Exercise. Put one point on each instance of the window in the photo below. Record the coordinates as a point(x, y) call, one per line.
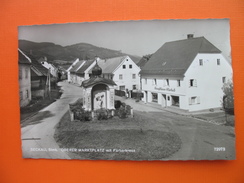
point(218, 61)
point(224, 79)
point(130, 66)
point(122, 87)
point(124, 66)
point(154, 97)
point(27, 94)
point(178, 82)
point(111, 77)
point(21, 95)
point(134, 87)
point(133, 76)
point(167, 82)
point(26, 73)
point(20, 73)
point(154, 81)
point(194, 100)
point(193, 82)
point(200, 62)
point(120, 76)
point(145, 81)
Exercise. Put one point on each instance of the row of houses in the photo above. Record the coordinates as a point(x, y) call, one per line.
point(122, 70)
point(33, 76)
point(188, 74)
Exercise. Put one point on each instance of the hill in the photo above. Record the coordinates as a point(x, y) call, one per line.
point(66, 54)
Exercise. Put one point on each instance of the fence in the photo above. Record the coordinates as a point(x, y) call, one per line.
point(119, 93)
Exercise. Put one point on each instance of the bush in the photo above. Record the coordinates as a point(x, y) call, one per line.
point(102, 114)
point(82, 115)
point(117, 104)
point(124, 111)
point(77, 106)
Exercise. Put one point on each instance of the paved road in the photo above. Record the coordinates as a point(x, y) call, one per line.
point(200, 139)
point(37, 139)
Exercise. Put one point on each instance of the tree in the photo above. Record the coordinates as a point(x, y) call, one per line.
point(228, 98)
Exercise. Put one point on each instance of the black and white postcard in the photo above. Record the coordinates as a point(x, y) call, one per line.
point(127, 90)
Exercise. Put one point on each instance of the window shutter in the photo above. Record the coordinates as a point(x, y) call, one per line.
point(190, 101)
point(194, 82)
point(198, 100)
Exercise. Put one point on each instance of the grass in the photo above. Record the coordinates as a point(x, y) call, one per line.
point(116, 139)
point(218, 118)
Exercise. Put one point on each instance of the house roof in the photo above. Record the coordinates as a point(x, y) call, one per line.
point(23, 59)
point(174, 58)
point(85, 66)
point(109, 65)
point(37, 65)
point(144, 60)
point(74, 62)
point(76, 66)
point(97, 80)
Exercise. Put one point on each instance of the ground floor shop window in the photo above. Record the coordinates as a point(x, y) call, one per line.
point(175, 101)
point(154, 97)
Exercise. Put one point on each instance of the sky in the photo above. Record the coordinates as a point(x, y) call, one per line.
point(132, 37)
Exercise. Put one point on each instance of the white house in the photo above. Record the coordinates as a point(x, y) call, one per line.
point(70, 67)
point(24, 63)
point(122, 70)
point(188, 74)
point(83, 72)
point(51, 67)
point(73, 71)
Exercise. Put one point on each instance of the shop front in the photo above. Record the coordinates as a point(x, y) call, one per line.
point(163, 99)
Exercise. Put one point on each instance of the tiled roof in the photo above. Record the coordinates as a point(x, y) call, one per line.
point(97, 80)
point(109, 65)
point(76, 66)
point(85, 66)
point(174, 58)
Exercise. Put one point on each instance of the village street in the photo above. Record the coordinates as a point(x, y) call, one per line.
point(37, 138)
point(200, 139)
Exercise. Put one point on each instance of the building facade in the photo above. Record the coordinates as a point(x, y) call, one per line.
point(24, 63)
point(122, 70)
point(187, 74)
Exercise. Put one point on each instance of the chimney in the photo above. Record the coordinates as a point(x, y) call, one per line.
point(190, 36)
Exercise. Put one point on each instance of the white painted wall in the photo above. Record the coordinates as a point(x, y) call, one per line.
point(208, 89)
point(209, 80)
point(24, 84)
point(127, 74)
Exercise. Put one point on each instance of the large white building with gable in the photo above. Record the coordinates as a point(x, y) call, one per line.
point(188, 74)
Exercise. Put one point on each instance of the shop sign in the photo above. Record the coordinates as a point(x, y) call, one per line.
point(165, 89)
